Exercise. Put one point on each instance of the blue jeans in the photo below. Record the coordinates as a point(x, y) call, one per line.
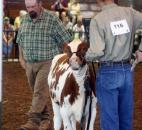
point(7, 49)
point(114, 90)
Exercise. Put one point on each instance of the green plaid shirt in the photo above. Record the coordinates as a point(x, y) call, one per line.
point(41, 39)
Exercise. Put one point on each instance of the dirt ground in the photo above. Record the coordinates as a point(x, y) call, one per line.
point(17, 98)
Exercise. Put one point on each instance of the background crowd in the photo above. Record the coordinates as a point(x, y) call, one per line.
point(36, 58)
point(68, 12)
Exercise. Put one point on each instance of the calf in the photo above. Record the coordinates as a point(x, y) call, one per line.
point(68, 81)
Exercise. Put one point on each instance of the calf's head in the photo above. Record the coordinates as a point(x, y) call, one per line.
point(76, 51)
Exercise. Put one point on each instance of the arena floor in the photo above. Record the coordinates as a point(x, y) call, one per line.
point(17, 97)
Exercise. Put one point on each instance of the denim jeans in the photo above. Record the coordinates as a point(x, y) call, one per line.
point(114, 90)
point(7, 49)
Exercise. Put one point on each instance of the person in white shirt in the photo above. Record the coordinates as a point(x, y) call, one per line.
point(79, 30)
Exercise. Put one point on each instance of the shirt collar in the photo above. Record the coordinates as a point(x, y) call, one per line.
point(41, 17)
point(106, 7)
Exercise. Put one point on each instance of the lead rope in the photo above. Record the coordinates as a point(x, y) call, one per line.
point(83, 113)
point(88, 94)
point(90, 106)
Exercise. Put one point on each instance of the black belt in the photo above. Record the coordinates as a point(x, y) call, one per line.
point(111, 63)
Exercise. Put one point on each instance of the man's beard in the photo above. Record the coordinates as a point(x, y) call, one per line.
point(33, 14)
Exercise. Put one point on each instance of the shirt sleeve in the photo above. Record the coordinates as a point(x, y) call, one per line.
point(19, 34)
point(137, 22)
point(60, 33)
point(19, 37)
point(97, 44)
point(137, 19)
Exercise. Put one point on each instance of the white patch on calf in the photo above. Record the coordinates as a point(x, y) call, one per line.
point(74, 44)
point(74, 60)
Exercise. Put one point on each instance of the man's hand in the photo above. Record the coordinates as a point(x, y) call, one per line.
point(139, 56)
point(22, 62)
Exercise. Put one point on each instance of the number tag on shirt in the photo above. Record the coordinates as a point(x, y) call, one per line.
point(119, 27)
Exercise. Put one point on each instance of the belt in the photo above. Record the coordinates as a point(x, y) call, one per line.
point(113, 63)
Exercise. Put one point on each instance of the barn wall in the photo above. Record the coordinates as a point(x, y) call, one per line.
point(12, 7)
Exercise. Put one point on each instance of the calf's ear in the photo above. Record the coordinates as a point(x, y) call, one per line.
point(86, 46)
point(65, 47)
point(86, 42)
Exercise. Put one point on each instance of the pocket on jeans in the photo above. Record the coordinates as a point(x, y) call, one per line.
point(108, 80)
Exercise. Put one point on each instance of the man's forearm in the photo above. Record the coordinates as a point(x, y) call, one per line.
point(139, 56)
point(21, 58)
point(21, 53)
point(140, 46)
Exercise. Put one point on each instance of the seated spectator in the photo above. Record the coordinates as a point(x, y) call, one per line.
point(18, 19)
point(73, 10)
point(68, 24)
point(8, 36)
point(78, 29)
point(86, 23)
point(17, 23)
point(63, 15)
point(60, 6)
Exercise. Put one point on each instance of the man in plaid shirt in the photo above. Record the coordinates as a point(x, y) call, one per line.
point(40, 37)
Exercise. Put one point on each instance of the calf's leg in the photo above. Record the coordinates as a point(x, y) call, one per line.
point(73, 122)
point(66, 118)
point(93, 114)
point(57, 116)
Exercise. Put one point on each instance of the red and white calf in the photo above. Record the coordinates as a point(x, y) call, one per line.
point(67, 78)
